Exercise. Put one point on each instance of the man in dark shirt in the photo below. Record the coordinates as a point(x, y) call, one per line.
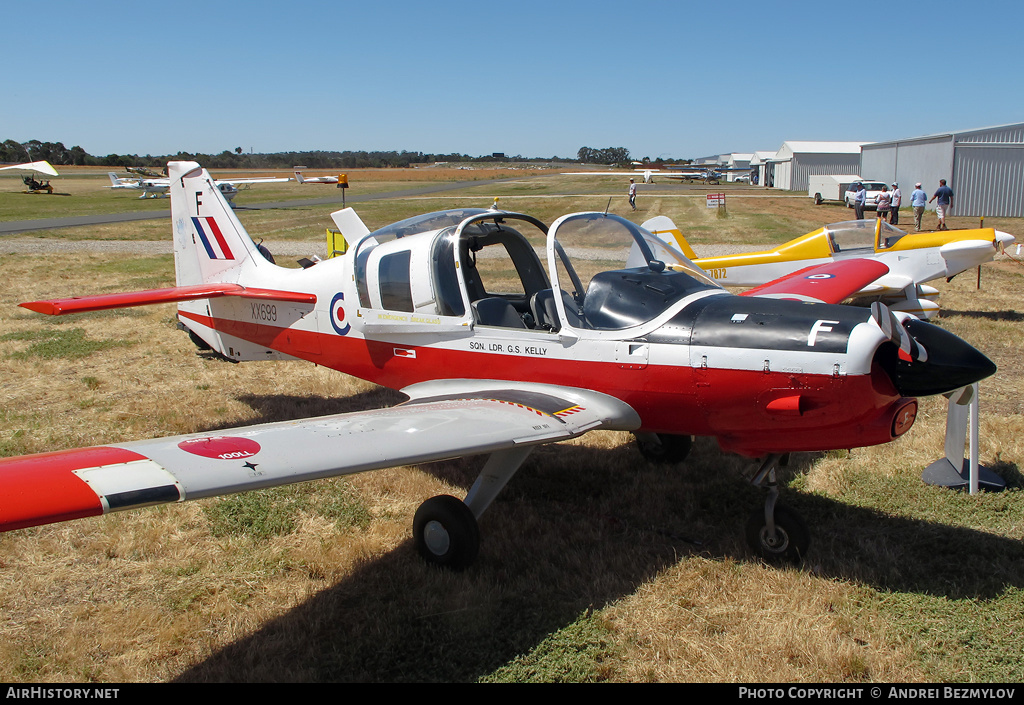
point(944, 204)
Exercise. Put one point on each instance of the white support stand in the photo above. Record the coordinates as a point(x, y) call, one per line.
point(954, 470)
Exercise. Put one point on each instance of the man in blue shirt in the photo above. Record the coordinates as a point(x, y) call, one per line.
point(858, 201)
point(944, 204)
point(918, 200)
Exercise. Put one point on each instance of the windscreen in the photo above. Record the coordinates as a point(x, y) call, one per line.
point(607, 266)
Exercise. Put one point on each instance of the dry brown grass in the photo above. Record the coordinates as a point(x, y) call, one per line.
point(652, 555)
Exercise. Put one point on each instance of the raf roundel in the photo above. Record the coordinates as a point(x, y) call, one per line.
point(821, 276)
point(338, 315)
point(221, 447)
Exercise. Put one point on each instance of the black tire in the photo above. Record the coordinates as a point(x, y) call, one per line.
point(668, 449)
point(197, 341)
point(446, 533)
point(791, 536)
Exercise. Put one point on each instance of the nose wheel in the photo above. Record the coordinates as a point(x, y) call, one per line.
point(663, 447)
point(776, 534)
point(783, 539)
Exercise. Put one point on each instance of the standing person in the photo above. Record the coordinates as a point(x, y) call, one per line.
point(944, 204)
point(918, 200)
point(882, 204)
point(894, 206)
point(858, 201)
point(632, 194)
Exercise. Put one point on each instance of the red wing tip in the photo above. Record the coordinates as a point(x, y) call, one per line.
point(46, 307)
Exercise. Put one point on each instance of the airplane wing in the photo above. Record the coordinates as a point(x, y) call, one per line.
point(824, 283)
point(255, 180)
point(42, 167)
point(442, 420)
point(81, 304)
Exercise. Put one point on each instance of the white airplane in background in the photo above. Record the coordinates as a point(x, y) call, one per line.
point(648, 174)
point(316, 179)
point(151, 188)
point(158, 188)
point(682, 173)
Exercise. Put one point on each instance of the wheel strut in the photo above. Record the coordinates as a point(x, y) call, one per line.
point(777, 533)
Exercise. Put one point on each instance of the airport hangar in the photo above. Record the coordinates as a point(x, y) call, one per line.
point(984, 167)
point(795, 161)
point(735, 162)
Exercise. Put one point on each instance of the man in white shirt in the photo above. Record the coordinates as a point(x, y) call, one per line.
point(894, 206)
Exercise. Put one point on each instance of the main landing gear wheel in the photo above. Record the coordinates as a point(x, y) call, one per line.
point(787, 543)
point(446, 532)
point(663, 447)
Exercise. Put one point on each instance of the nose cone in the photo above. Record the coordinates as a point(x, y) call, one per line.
point(1004, 239)
point(951, 363)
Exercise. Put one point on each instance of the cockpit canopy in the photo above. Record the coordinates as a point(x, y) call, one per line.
point(603, 273)
point(873, 233)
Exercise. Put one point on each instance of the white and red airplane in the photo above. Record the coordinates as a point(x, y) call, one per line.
point(316, 179)
point(605, 336)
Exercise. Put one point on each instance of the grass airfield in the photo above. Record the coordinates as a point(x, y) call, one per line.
point(594, 565)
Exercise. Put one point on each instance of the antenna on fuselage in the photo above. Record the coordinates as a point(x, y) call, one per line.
point(608, 206)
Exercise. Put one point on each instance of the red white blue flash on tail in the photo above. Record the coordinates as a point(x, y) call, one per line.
point(212, 238)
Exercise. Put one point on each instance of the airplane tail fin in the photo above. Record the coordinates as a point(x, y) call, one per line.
point(664, 229)
point(298, 177)
point(210, 244)
point(114, 180)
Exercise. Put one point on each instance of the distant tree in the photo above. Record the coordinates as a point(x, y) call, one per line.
point(608, 155)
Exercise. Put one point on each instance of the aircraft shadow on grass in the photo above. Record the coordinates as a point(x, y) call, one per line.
point(1014, 316)
point(577, 529)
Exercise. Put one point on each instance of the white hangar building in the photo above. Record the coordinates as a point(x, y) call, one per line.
point(796, 161)
point(984, 167)
point(759, 162)
point(732, 161)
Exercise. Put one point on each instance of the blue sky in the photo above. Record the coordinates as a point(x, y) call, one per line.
point(673, 79)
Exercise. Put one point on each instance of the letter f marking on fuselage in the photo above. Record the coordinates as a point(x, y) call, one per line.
point(819, 326)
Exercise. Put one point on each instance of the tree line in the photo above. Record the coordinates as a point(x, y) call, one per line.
point(57, 154)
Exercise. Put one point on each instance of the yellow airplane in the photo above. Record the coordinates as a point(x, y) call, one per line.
point(912, 259)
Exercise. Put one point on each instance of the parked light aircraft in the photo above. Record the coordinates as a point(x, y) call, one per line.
point(159, 187)
point(316, 179)
point(31, 183)
point(498, 363)
point(143, 171)
point(910, 260)
point(682, 173)
point(648, 174)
